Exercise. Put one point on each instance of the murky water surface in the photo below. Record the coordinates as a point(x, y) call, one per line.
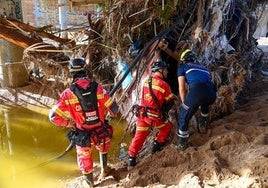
point(30, 145)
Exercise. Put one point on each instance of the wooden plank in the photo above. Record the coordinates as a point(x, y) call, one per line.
point(40, 31)
point(16, 37)
point(19, 39)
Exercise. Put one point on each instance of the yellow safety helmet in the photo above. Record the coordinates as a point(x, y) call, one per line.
point(188, 55)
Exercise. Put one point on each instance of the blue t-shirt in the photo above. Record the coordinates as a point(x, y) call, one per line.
point(194, 73)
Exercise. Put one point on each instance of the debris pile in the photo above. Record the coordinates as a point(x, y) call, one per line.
point(124, 40)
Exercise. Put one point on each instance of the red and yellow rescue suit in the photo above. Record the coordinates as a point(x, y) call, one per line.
point(68, 107)
point(150, 113)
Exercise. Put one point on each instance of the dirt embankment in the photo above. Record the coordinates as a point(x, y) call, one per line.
point(235, 154)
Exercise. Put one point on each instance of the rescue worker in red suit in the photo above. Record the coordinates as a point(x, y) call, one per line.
point(156, 100)
point(88, 120)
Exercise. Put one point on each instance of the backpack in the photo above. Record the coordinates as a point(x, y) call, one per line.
point(88, 101)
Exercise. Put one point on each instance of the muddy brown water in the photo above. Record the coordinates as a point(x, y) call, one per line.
point(30, 144)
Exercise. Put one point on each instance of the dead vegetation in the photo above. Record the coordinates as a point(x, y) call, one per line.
point(220, 32)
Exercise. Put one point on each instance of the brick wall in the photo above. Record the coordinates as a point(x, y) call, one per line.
point(28, 11)
point(11, 8)
point(45, 12)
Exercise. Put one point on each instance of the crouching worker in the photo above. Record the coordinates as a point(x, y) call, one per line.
point(156, 101)
point(201, 93)
point(82, 107)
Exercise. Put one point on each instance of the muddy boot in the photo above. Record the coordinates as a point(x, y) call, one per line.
point(132, 161)
point(182, 143)
point(202, 124)
point(89, 179)
point(103, 163)
point(157, 146)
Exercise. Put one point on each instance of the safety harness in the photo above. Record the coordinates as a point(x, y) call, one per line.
point(89, 103)
point(145, 111)
point(152, 92)
point(160, 112)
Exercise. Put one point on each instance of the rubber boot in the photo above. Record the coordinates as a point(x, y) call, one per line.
point(182, 143)
point(89, 179)
point(132, 161)
point(157, 146)
point(202, 124)
point(103, 163)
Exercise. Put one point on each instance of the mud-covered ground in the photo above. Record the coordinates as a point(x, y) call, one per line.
point(234, 154)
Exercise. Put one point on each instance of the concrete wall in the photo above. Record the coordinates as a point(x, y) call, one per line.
point(12, 71)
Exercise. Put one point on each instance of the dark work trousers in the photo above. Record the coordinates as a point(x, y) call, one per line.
point(199, 95)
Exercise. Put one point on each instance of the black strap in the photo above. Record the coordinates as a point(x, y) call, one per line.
point(152, 92)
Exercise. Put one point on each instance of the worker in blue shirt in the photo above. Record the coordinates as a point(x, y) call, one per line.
point(202, 93)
